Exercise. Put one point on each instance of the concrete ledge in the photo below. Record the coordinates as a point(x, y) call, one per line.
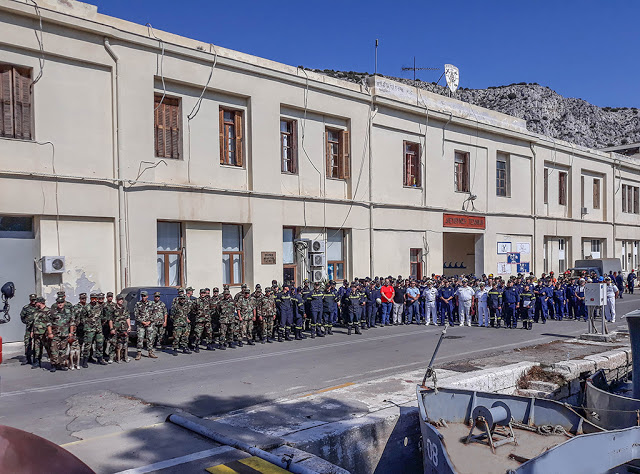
point(497, 379)
point(611, 337)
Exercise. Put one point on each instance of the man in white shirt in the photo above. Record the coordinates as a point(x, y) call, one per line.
point(483, 309)
point(465, 300)
point(612, 294)
point(430, 295)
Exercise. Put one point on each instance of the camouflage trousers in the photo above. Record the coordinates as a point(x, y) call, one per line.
point(91, 336)
point(145, 334)
point(200, 328)
point(160, 330)
point(246, 329)
point(180, 337)
point(109, 343)
point(265, 327)
point(27, 341)
point(122, 342)
point(224, 332)
point(40, 343)
point(59, 345)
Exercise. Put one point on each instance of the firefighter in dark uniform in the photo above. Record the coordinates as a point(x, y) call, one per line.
point(315, 304)
point(527, 305)
point(285, 306)
point(494, 302)
point(445, 297)
point(329, 306)
point(510, 305)
point(299, 315)
point(353, 302)
point(304, 293)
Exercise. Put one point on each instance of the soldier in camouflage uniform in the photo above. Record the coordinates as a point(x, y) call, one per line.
point(145, 327)
point(26, 316)
point(213, 311)
point(202, 326)
point(61, 294)
point(92, 324)
point(41, 331)
point(159, 317)
point(240, 294)
point(180, 293)
point(226, 310)
point(266, 314)
point(79, 311)
point(122, 327)
point(108, 333)
point(63, 327)
point(180, 319)
point(247, 315)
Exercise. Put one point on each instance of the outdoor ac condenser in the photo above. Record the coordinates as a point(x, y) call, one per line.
point(53, 264)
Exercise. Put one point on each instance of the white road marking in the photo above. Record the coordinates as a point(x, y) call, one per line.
point(177, 461)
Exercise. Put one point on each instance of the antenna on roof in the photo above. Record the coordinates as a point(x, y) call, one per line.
point(375, 68)
point(414, 69)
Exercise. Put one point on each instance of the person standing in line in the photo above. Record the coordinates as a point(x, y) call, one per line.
point(373, 295)
point(330, 303)
point(526, 307)
point(387, 292)
point(145, 327)
point(412, 308)
point(631, 281)
point(494, 302)
point(159, 316)
point(398, 302)
point(612, 294)
point(510, 300)
point(63, 327)
point(430, 295)
point(483, 310)
point(465, 296)
point(446, 294)
point(265, 314)
point(315, 305)
point(285, 304)
point(619, 281)
point(122, 327)
point(92, 324)
point(26, 316)
point(41, 332)
point(226, 311)
point(180, 319)
point(354, 302)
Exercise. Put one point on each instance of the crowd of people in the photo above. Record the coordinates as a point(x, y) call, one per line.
point(98, 331)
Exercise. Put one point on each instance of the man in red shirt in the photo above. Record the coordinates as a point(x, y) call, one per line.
point(386, 295)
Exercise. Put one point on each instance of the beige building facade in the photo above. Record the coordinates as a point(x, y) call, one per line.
point(146, 158)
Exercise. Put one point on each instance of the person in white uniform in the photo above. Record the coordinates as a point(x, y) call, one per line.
point(465, 300)
point(612, 294)
point(483, 309)
point(430, 295)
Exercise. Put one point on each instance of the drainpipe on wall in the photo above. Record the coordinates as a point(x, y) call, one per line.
point(533, 208)
point(371, 269)
point(116, 156)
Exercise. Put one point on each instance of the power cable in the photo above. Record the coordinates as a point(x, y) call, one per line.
point(164, 89)
point(40, 40)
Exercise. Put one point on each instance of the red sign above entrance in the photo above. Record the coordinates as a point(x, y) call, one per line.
point(467, 222)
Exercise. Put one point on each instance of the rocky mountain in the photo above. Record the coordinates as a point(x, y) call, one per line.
point(545, 111)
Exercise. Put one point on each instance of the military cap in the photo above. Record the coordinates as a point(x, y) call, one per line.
point(144, 293)
point(109, 293)
point(345, 281)
point(59, 299)
point(215, 288)
point(274, 282)
point(60, 293)
point(246, 290)
point(94, 295)
point(244, 285)
point(120, 297)
point(202, 290)
point(180, 291)
point(258, 287)
point(206, 289)
point(225, 286)
point(157, 293)
point(189, 288)
point(226, 291)
point(82, 296)
point(33, 297)
point(268, 289)
point(354, 284)
point(40, 299)
point(100, 295)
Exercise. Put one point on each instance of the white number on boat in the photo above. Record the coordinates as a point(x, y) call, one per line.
point(432, 452)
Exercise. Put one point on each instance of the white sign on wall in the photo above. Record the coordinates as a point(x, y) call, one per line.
point(504, 247)
point(560, 254)
point(504, 268)
point(523, 247)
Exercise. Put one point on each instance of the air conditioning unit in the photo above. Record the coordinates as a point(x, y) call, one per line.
point(317, 260)
point(317, 246)
point(317, 275)
point(53, 264)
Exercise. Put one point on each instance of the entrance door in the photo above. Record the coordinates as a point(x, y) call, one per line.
point(458, 253)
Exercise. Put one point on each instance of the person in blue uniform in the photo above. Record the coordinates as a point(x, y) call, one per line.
point(494, 302)
point(581, 307)
point(445, 296)
point(343, 291)
point(570, 295)
point(541, 310)
point(315, 303)
point(527, 304)
point(285, 309)
point(353, 302)
point(559, 301)
point(329, 306)
point(371, 309)
point(631, 281)
point(510, 301)
point(299, 314)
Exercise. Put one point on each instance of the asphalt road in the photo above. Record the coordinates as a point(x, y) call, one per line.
point(67, 406)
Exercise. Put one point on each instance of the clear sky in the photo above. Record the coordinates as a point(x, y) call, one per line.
point(588, 49)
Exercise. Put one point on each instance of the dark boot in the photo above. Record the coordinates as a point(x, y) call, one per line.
point(262, 341)
point(250, 342)
point(222, 347)
point(53, 368)
point(84, 363)
point(239, 343)
point(349, 331)
point(298, 333)
point(196, 349)
point(269, 340)
point(287, 336)
point(101, 361)
point(174, 352)
point(186, 351)
point(29, 358)
point(320, 332)
point(330, 330)
point(210, 347)
point(313, 334)
point(35, 364)
point(358, 330)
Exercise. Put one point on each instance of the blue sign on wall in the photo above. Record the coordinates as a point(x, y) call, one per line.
point(523, 267)
point(513, 257)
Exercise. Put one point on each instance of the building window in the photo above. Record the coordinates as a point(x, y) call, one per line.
point(170, 254)
point(546, 186)
point(335, 254)
point(231, 126)
point(596, 193)
point(562, 256)
point(415, 259)
point(289, 273)
point(166, 127)
point(232, 255)
point(16, 119)
point(630, 195)
point(337, 146)
point(595, 248)
point(502, 175)
point(412, 168)
point(289, 146)
point(562, 188)
point(461, 172)
point(16, 227)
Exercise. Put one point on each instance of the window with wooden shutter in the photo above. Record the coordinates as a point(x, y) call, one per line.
point(345, 142)
point(596, 193)
point(412, 169)
point(167, 127)
point(624, 198)
point(333, 153)
point(636, 209)
point(502, 175)
point(461, 172)
point(288, 146)
point(546, 185)
point(16, 115)
point(231, 137)
point(562, 188)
